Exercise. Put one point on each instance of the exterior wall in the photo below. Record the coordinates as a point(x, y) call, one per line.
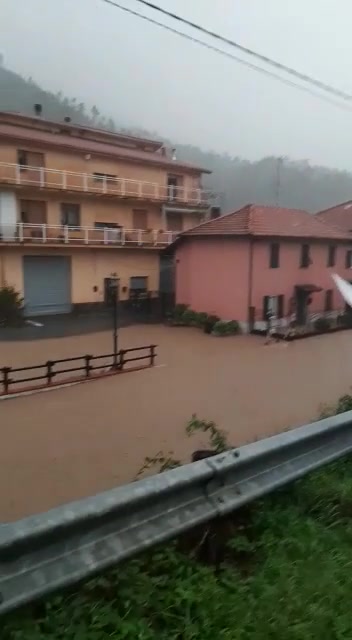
point(88, 270)
point(8, 153)
point(212, 276)
point(95, 210)
point(79, 162)
point(281, 281)
point(191, 220)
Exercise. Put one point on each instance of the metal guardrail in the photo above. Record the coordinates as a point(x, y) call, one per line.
point(65, 545)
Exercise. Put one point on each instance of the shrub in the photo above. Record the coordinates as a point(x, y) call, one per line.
point(201, 319)
point(344, 320)
point(343, 404)
point(222, 328)
point(178, 312)
point(183, 315)
point(208, 325)
point(321, 325)
point(11, 307)
point(189, 318)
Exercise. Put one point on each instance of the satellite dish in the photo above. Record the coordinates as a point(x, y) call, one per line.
point(344, 287)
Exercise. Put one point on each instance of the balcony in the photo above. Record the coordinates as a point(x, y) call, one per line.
point(100, 185)
point(44, 234)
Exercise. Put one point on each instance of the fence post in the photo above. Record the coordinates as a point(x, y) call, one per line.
point(6, 380)
point(121, 358)
point(49, 371)
point(87, 365)
point(152, 354)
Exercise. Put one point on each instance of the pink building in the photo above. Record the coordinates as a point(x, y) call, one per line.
point(243, 264)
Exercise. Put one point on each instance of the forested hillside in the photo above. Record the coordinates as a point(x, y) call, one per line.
point(240, 181)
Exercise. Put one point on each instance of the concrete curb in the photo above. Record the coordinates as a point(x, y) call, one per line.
point(72, 383)
point(32, 392)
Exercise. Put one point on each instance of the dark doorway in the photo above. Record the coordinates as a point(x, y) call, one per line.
point(301, 306)
point(174, 184)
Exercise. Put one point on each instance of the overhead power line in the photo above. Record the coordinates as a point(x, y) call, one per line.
point(227, 54)
point(278, 65)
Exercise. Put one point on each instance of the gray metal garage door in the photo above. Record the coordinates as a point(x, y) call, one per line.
point(47, 285)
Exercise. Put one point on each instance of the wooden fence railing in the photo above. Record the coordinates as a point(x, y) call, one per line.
point(15, 379)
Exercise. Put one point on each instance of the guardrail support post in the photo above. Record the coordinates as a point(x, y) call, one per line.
point(121, 358)
point(87, 360)
point(49, 371)
point(152, 355)
point(5, 379)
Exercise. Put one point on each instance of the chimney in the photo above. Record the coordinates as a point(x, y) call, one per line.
point(67, 119)
point(174, 154)
point(38, 109)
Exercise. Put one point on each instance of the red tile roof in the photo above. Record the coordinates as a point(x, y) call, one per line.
point(339, 216)
point(258, 220)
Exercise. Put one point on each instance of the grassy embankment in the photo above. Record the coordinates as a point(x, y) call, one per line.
point(281, 569)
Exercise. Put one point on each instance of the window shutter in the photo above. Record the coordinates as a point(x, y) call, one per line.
point(274, 255)
point(328, 300)
point(280, 307)
point(265, 307)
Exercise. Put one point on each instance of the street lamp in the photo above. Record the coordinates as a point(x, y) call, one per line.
point(114, 297)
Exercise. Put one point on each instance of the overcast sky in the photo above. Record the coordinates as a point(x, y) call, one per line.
point(144, 76)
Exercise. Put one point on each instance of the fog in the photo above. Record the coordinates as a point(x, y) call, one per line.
point(144, 76)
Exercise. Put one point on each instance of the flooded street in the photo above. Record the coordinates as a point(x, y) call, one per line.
point(73, 442)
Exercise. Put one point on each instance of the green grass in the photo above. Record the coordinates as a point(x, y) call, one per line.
point(280, 570)
point(287, 576)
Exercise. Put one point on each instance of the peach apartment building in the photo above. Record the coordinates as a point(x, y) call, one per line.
point(79, 206)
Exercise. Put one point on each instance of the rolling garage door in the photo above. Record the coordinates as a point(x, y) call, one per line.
point(47, 285)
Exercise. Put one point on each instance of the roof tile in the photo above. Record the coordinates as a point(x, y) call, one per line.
point(258, 220)
point(339, 216)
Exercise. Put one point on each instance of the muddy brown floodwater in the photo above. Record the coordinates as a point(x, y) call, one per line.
point(69, 443)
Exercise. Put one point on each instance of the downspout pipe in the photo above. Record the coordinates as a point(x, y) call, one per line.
point(250, 279)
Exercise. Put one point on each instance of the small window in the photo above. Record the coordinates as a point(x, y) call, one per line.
point(274, 255)
point(173, 186)
point(22, 158)
point(305, 256)
point(30, 159)
point(99, 177)
point(331, 255)
point(348, 263)
point(328, 300)
point(139, 283)
point(70, 215)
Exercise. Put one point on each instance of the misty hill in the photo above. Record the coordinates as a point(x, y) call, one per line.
point(301, 184)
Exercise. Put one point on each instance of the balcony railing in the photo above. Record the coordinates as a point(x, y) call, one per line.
point(62, 180)
point(23, 233)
